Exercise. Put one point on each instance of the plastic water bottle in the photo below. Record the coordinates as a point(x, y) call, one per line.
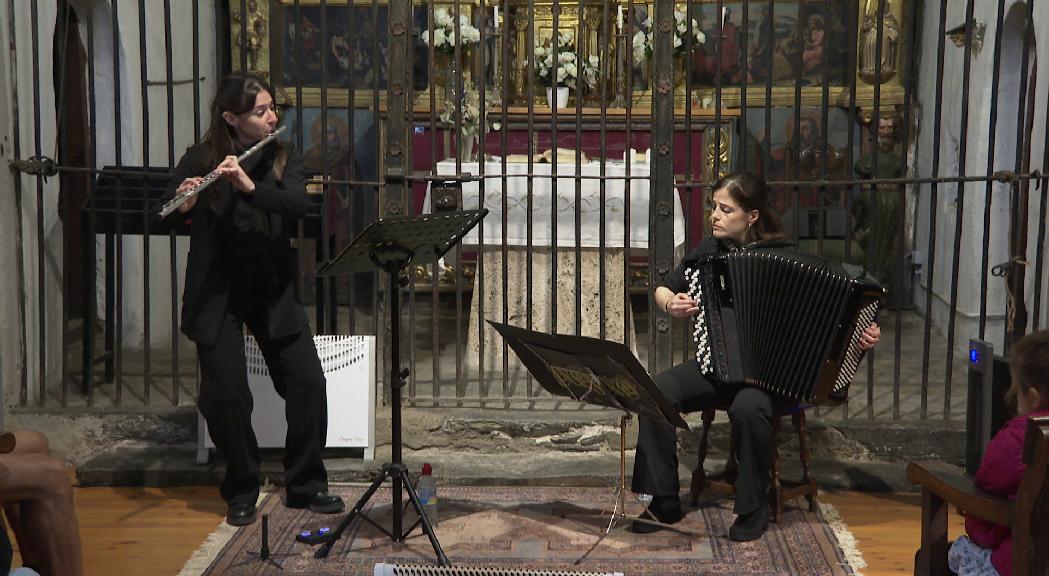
point(426, 489)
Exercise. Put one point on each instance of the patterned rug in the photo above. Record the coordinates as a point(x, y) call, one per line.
point(535, 528)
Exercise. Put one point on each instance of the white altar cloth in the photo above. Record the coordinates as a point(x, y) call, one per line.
point(589, 205)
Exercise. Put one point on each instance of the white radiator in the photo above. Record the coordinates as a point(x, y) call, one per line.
point(349, 368)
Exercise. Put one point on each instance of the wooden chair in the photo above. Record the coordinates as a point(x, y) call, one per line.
point(778, 491)
point(1027, 515)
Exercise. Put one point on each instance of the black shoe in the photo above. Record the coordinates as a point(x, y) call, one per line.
point(749, 526)
point(665, 510)
point(322, 502)
point(240, 514)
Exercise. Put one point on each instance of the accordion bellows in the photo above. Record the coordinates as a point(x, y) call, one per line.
point(780, 319)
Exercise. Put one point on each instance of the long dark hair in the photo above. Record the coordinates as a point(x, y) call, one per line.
point(751, 193)
point(1029, 366)
point(236, 94)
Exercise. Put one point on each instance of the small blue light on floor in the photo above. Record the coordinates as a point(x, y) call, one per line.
point(974, 355)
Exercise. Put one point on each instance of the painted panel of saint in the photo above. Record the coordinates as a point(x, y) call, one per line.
point(784, 41)
point(343, 47)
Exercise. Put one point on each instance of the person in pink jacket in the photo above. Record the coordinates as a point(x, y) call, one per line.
point(987, 548)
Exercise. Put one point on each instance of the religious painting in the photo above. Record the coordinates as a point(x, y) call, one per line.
point(340, 48)
point(785, 42)
point(792, 148)
point(326, 140)
point(325, 137)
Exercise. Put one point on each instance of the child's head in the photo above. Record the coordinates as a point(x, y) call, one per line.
point(1029, 368)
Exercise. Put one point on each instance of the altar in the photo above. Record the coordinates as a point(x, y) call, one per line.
point(548, 222)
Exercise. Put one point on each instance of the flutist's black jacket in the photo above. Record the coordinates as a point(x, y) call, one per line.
point(240, 245)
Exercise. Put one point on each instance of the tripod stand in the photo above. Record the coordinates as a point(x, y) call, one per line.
point(595, 372)
point(391, 245)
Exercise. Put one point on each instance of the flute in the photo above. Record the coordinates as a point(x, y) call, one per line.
point(180, 199)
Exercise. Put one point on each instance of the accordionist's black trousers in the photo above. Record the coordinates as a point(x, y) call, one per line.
point(656, 462)
point(226, 403)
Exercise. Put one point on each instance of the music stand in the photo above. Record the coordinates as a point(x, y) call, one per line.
point(391, 244)
point(596, 372)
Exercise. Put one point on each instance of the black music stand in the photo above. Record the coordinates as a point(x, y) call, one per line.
point(596, 372)
point(391, 244)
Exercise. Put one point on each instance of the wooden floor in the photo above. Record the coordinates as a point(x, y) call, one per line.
point(153, 531)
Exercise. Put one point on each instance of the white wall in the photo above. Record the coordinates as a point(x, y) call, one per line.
point(10, 323)
point(970, 267)
point(132, 146)
point(18, 115)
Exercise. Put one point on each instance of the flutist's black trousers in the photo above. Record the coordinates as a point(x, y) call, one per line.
point(226, 403)
point(750, 412)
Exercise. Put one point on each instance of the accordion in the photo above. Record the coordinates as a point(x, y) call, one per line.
point(780, 319)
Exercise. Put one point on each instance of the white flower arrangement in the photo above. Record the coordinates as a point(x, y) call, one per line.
point(568, 67)
point(444, 38)
point(642, 39)
point(469, 111)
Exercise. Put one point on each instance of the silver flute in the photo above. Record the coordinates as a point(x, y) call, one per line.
point(180, 199)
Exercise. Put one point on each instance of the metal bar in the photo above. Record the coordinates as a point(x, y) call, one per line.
point(580, 81)
point(555, 49)
point(41, 286)
point(117, 310)
point(767, 148)
point(457, 106)
point(794, 141)
point(852, 12)
point(602, 88)
point(176, 344)
point(937, 129)
point(243, 36)
point(325, 285)
point(1039, 264)
point(144, 90)
point(409, 86)
point(351, 143)
point(1020, 213)
point(504, 37)
point(909, 68)
point(23, 389)
point(1000, 175)
point(992, 126)
point(399, 18)
point(90, 275)
point(529, 249)
point(435, 269)
point(959, 215)
point(661, 245)
point(67, 211)
point(876, 204)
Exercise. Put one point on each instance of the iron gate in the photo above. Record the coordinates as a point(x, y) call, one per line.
point(846, 108)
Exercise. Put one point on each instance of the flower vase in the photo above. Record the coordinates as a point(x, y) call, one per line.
point(466, 146)
point(561, 97)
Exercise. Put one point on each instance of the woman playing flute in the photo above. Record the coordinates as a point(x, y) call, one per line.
point(241, 272)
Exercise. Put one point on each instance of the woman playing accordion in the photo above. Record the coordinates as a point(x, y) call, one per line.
point(740, 216)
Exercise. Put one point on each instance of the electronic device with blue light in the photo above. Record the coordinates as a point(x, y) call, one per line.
point(986, 409)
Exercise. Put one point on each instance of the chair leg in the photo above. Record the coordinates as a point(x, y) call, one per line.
point(803, 445)
point(775, 491)
point(699, 475)
point(932, 557)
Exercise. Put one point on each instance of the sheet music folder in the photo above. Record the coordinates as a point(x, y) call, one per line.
point(403, 239)
point(590, 370)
